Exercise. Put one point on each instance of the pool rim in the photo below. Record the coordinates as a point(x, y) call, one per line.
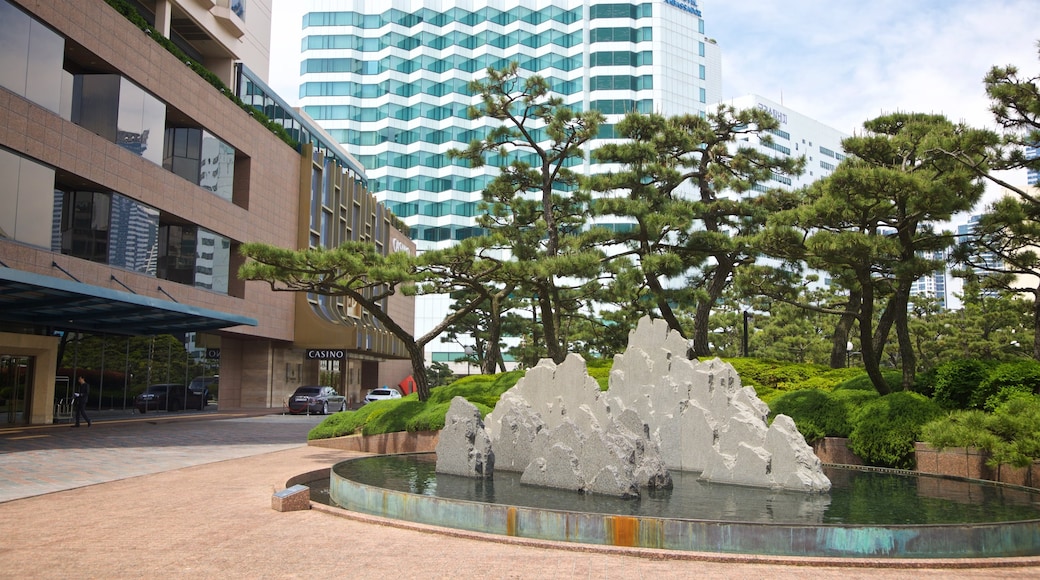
point(986, 540)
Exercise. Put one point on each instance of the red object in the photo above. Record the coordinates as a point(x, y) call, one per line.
point(407, 386)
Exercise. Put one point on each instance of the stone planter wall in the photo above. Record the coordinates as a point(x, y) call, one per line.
point(835, 450)
point(957, 462)
point(400, 442)
point(971, 463)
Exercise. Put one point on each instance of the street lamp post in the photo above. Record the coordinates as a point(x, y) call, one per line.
point(469, 358)
point(849, 353)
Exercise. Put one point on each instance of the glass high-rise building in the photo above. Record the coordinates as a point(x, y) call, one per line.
point(389, 80)
point(1033, 175)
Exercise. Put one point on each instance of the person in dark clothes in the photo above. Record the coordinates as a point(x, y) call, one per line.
point(79, 401)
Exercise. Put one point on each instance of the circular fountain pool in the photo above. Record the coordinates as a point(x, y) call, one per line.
point(866, 514)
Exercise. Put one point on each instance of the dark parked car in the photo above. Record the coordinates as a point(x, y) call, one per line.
point(206, 387)
point(316, 399)
point(169, 397)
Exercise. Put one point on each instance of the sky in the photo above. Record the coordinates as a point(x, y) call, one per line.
point(844, 62)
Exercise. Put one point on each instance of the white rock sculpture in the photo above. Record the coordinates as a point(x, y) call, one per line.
point(662, 411)
point(463, 447)
point(554, 428)
point(703, 420)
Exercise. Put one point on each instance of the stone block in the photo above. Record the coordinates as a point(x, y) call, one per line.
point(292, 499)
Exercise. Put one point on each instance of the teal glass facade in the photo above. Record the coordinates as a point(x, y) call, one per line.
point(393, 85)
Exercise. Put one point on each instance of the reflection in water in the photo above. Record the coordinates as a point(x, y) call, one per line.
point(857, 497)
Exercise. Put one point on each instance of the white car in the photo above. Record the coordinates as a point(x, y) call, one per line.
point(382, 393)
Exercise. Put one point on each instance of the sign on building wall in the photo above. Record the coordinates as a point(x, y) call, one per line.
point(326, 354)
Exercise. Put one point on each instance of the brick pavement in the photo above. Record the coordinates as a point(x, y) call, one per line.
point(201, 509)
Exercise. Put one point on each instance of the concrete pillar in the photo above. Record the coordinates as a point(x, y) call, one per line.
point(163, 16)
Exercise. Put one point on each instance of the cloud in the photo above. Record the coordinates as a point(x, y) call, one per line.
point(843, 63)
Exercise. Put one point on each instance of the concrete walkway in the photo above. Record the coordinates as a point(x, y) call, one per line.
point(189, 496)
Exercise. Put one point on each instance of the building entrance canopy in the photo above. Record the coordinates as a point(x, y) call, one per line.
point(35, 299)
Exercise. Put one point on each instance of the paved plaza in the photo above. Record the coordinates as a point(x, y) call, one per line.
point(188, 495)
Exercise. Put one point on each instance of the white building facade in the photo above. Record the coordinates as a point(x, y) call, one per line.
point(798, 135)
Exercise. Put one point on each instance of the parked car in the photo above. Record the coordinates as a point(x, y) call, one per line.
point(169, 397)
point(382, 393)
point(316, 399)
point(206, 387)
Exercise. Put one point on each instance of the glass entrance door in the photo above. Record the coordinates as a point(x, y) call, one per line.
point(15, 388)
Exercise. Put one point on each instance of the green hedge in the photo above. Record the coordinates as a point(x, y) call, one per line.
point(956, 381)
point(1022, 376)
point(771, 379)
point(818, 413)
point(1011, 433)
point(886, 428)
point(409, 414)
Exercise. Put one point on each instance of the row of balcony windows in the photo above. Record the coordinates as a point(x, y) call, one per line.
point(449, 111)
point(475, 17)
point(109, 105)
point(435, 18)
point(439, 160)
point(457, 232)
point(431, 41)
point(108, 228)
point(473, 64)
point(411, 89)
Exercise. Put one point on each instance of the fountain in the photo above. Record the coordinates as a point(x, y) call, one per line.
point(676, 455)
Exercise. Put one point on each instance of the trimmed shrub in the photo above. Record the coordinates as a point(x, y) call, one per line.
point(894, 379)
point(960, 429)
point(1005, 394)
point(808, 408)
point(771, 379)
point(820, 414)
point(1018, 375)
point(408, 414)
point(1011, 433)
point(599, 369)
point(885, 429)
point(924, 382)
point(846, 404)
point(1017, 423)
point(956, 380)
point(773, 374)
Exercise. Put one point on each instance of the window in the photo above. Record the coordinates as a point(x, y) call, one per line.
point(27, 194)
point(201, 158)
point(31, 65)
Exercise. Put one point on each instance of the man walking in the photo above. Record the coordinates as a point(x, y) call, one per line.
point(79, 401)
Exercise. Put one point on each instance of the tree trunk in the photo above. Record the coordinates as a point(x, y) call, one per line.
point(895, 316)
point(701, 318)
point(662, 304)
point(701, 315)
point(842, 331)
point(871, 357)
point(907, 356)
point(493, 356)
point(422, 383)
point(551, 332)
